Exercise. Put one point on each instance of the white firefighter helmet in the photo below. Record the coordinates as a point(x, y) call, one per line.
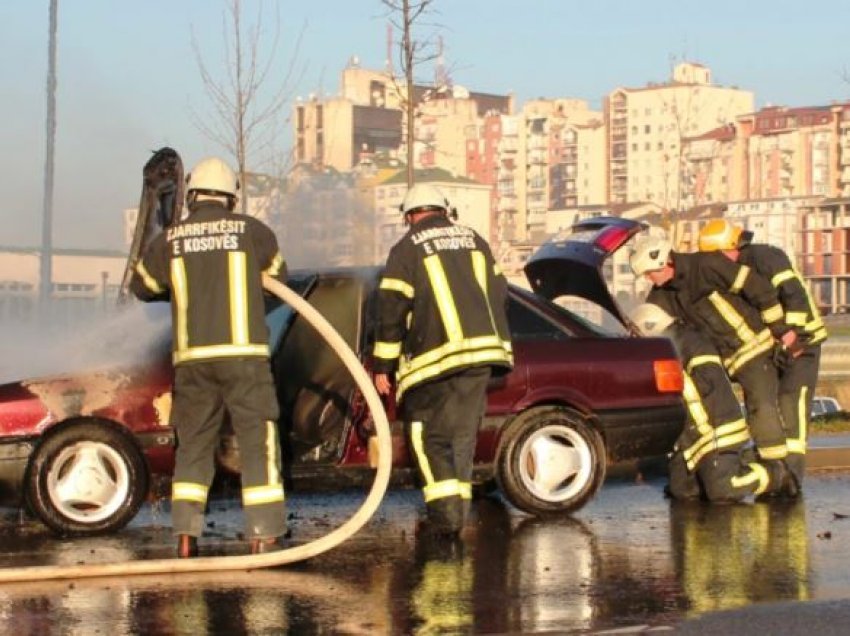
point(424, 196)
point(212, 176)
point(651, 319)
point(650, 253)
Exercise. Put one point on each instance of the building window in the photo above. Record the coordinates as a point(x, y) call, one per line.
point(647, 129)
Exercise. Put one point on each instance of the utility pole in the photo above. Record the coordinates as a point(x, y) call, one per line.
point(46, 275)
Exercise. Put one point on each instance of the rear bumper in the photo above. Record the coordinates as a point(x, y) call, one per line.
point(640, 433)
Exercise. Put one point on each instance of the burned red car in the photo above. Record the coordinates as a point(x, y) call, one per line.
point(80, 450)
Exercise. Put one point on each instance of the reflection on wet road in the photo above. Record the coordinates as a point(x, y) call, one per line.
point(629, 559)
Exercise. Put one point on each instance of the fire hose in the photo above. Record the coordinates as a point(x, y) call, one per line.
point(270, 559)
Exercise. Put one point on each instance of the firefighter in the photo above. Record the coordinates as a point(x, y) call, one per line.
point(740, 313)
point(209, 265)
point(706, 459)
point(441, 330)
point(798, 371)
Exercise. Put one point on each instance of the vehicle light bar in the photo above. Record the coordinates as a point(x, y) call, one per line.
point(668, 376)
point(611, 238)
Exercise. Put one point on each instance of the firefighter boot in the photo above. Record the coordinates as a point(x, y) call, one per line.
point(783, 484)
point(187, 546)
point(263, 546)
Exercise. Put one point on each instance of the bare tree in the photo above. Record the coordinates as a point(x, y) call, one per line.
point(246, 112)
point(404, 15)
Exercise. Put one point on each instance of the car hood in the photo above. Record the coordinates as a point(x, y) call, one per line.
point(571, 264)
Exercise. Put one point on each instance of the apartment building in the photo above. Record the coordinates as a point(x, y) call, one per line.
point(460, 132)
point(556, 157)
point(774, 153)
point(491, 158)
point(646, 128)
point(823, 253)
point(365, 117)
point(789, 152)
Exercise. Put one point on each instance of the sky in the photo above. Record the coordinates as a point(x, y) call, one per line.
point(128, 79)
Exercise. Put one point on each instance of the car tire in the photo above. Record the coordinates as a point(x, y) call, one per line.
point(86, 477)
point(550, 462)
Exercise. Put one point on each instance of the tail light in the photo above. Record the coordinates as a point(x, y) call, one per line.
point(611, 238)
point(668, 376)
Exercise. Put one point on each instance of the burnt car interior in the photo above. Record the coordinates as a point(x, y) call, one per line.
point(314, 389)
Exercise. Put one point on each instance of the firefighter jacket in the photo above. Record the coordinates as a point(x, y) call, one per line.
point(441, 306)
point(210, 266)
point(801, 313)
point(715, 420)
point(734, 305)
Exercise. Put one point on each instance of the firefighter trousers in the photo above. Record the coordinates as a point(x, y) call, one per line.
point(759, 381)
point(723, 477)
point(442, 420)
point(797, 383)
point(204, 394)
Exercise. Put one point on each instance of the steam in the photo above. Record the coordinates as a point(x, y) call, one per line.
point(130, 336)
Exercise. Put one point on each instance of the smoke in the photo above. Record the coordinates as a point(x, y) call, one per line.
point(130, 336)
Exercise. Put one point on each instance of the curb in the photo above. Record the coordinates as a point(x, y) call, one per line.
point(828, 453)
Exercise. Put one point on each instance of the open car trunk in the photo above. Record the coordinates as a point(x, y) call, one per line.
point(571, 265)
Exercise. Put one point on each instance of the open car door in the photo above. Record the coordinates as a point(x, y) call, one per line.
point(160, 205)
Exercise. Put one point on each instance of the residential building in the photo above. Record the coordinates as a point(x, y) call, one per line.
point(646, 128)
point(823, 254)
point(791, 152)
point(367, 118)
point(774, 153)
point(555, 139)
point(492, 159)
point(773, 221)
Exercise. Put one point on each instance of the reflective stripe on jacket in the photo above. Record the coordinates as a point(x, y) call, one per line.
point(735, 306)
point(210, 267)
point(441, 305)
point(801, 312)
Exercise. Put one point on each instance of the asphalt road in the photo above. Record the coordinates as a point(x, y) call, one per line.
point(629, 561)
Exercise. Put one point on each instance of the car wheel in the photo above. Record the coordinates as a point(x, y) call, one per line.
point(86, 478)
point(550, 461)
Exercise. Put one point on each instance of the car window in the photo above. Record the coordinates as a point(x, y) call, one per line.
point(527, 324)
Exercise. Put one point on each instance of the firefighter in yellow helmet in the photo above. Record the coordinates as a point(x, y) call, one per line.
point(798, 363)
point(739, 312)
point(209, 265)
point(706, 461)
point(442, 330)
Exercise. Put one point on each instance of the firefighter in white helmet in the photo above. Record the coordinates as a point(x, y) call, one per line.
point(739, 311)
point(706, 461)
point(209, 265)
point(442, 331)
point(799, 363)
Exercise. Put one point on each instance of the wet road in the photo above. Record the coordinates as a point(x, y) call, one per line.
point(629, 560)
